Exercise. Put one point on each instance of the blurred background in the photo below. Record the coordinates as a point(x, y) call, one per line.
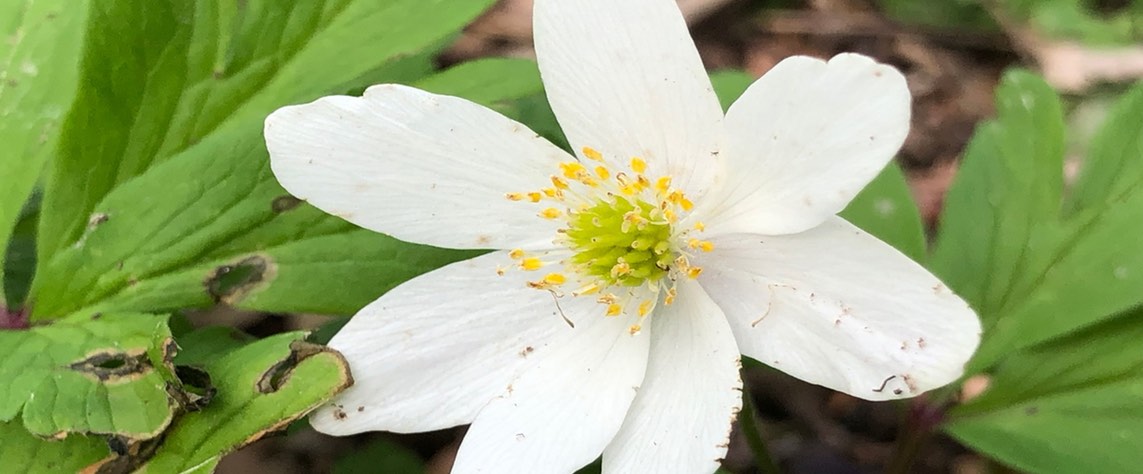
point(953, 53)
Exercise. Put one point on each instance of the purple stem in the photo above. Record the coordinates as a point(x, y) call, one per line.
point(11, 320)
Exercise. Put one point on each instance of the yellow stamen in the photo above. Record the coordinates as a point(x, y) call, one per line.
point(559, 182)
point(634, 329)
point(602, 172)
point(663, 184)
point(587, 290)
point(573, 170)
point(706, 246)
point(694, 272)
point(592, 154)
point(535, 197)
point(620, 269)
point(531, 263)
point(638, 165)
point(514, 196)
point(699, 226)
point(614, 309)
point(555, 279)
point(645, 307)
point(516, 254)
point(551, 213)
point(670, 298)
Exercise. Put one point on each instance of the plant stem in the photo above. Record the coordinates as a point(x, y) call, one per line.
point(747, 419)
point(917, 425)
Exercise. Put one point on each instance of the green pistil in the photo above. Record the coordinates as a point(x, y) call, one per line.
point(602, 238)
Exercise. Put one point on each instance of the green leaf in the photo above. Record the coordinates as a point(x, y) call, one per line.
point(886, 209)
point(1030, 272)
point(225, 231)
point(22, 452)
point(262, 387)
point(1069, 406)
point(380, 456)
point(1113, 168)
point(729, 84)
point(102, 374)
point(19, 261)
point(162, 78)
point(39, 41)
point(203, 346)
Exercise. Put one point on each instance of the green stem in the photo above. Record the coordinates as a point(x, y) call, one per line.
point(748, 421)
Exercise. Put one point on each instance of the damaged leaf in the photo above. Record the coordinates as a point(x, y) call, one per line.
point(271, 383)
point(103, 374)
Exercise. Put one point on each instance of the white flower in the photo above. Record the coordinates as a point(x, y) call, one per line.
point(674, 240)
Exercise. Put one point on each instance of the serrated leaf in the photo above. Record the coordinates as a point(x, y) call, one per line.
point(162, 78)
point(1069, 406)
point(39, 41)
point(270, 383)
point(89, 374)
point(1031, 273)
point(225, 231)
point(21, 452)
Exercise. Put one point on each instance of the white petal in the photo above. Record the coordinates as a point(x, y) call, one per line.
point(564, 408)
point(836, 307)
point(681, 419)
point(805, 139)
point(432, 352)
point(421, 167)
point(624, 77)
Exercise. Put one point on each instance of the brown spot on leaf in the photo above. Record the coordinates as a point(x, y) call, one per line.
point(279, 374)
point(232, 282)
point(284, 203)
point(112, 366)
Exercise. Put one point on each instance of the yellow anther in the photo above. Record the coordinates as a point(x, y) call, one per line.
point(531, 263)
point(638, 165)
point(555, 279)
point(686, 204)
point(693, 243)
point(706, 246)
point(663, 184)
point(553, 193)
point(551, 213)
point(670, 298)
point(573, 170)
point(645, 307)
point(634, 217)
point(670, 215)
point(699, 226)
point(614, 309)
point(592, 154)
point(606, 299)
point(694, 272)
point(643, 182)
point(559, 182)
point(634, 329)
point(535, 197)
point(516, 254)
point(602, 172)
point(587, 290)
point(515, 196)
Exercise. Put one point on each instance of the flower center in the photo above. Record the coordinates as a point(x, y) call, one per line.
point(620, 242)
point(621, 228)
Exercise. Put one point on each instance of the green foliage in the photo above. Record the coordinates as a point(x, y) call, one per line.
point(1051, 276)
point(38, 41)
point(1082, 21)
point(1032, 272)
point(102, 374)
point(1068, 406)
point(161, 79)
point(262, 387)
point(24, 453)
point(380, 456)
